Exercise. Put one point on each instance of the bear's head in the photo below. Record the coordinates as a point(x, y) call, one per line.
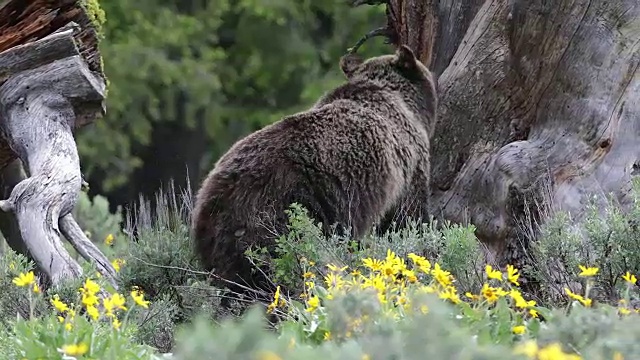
point(402, 66)
point(401, 72)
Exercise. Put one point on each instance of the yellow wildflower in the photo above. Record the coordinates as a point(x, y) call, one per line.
point(533, 313)
point(334, 281)
point(138, 297)
point(528, 348)
point(89, 299)
point(423, 264)
point(572, 294)
point(274, 303)
point(109, 240)
point(410, 276)
point(472, 296)
point(24, 279)
point(554, 351)
point(588, 271)
point(624, 311)
point(491, 293)
point(382, 298)
point(36, 288)
point(618, 356)
point(117, 264)
point(391, 256)
point(373, 264)
point(493, 274)
point(427, 289)
point(268, 355)
point(75, 350)
point(630, 278)
point(310, 284)
point(313, 303)
point(90, 286)
point(336, 269)
point(519, 330)
point(93, 312)
point(512, 275)
point(116, 323)
point(308, 275)
point(450, 294)
point(585, 302)
point(401, 300)
point(388, 269)
point(376, 282)
point(116, 301)
point(443, 277)
point(59, 305)
point(520, 301)
point(327, 336)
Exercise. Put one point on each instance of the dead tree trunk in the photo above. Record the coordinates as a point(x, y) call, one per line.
point(531, 92)
point(51, 82)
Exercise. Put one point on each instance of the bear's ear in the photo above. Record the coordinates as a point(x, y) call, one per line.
point(405, 57)
point(349, 63)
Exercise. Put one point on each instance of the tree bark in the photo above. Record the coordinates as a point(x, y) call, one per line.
point(10, 176)
point(48, 87)
point(541, 100)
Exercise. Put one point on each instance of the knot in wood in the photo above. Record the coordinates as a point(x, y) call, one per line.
point(605, 143)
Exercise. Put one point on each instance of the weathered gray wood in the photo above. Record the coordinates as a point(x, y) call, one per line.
point(13, 174)
point(10, 176)
point(454, 17)
point(540, 100)
point(88, 250)
point(56, 46)
point(69, 77)
point(38, 108)
point(525, 103)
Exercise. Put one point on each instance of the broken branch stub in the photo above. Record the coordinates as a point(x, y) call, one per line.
point(39, 107)
point(409, 22)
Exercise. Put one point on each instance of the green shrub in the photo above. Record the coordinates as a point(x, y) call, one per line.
point(374, 313)
point(97, 221)
point(607, 237)
point(14, 302)
point(160, 260)
point(91, 326)
point(454, 246)
point(410, 293)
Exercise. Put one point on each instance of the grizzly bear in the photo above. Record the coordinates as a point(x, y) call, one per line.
point(358, 155)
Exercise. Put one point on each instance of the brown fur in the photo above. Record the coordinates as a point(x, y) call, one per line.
point(359, 154)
